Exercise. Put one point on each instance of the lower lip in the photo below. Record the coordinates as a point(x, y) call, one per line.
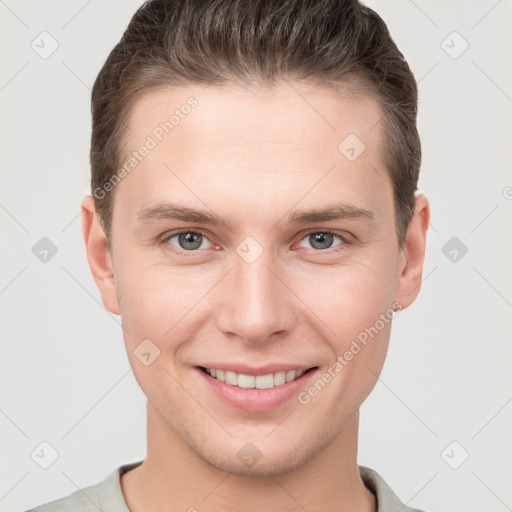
point(257, 400)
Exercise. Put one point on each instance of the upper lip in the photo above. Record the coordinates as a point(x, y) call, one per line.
point(260, 370)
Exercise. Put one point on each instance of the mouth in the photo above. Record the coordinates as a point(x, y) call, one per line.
point(267, 381)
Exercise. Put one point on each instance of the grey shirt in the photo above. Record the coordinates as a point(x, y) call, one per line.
point(107, 496)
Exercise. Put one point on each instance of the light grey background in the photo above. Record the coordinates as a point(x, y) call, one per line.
point(65, 377)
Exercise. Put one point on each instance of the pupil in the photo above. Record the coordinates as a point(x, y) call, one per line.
point(324, 239)
point(190, 238)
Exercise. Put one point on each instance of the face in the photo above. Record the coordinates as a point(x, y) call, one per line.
point(221, 262)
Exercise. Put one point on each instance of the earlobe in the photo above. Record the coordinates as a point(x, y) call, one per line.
point(98, 255)
point(412, 255)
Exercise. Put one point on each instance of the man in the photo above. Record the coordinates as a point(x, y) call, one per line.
point(256, 224)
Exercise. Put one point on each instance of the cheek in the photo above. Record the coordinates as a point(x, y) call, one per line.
point(160, 302)
point(347, 298)
point(154, 323)
point(356, 305)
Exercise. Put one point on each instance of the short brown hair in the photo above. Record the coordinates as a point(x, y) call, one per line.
point(324, 42)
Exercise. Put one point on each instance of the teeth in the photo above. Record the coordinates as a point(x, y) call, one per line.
point(279, 378)
point(264, 381)
point(245, 381)
point(231, 378)
point(250, 381)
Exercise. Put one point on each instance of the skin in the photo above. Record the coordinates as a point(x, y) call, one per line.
point(252, 157)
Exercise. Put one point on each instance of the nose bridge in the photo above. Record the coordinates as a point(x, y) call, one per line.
point(256, 303)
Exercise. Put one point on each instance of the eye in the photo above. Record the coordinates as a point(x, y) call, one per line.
point(322, 240)
point(193, 241)
point(186, 240)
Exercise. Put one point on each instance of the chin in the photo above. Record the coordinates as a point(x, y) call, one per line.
point(259, 458)
point(266, 466)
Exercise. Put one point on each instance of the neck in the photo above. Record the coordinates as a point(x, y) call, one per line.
point(173, 477)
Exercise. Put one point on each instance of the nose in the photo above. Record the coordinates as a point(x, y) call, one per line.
point(256, 302)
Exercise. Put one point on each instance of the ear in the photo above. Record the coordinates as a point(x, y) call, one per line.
point(413, 253)
point(98, 255)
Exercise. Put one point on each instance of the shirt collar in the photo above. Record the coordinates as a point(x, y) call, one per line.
point(387, 500)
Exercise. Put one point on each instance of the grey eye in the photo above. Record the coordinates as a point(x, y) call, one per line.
point(189, 240)
point(323, 240)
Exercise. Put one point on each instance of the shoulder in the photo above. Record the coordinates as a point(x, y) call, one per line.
point(72, 503)
point(106, 495)
point(387, 500)
point(83, 500)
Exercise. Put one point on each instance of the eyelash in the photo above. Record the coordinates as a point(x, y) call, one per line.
point(165, 238)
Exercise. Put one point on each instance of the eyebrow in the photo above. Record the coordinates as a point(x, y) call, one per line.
point(171, 211)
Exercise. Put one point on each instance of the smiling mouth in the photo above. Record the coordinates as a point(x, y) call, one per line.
point(267, 381)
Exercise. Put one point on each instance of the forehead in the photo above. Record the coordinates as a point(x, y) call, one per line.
point(287, 112)
point(260, 143)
